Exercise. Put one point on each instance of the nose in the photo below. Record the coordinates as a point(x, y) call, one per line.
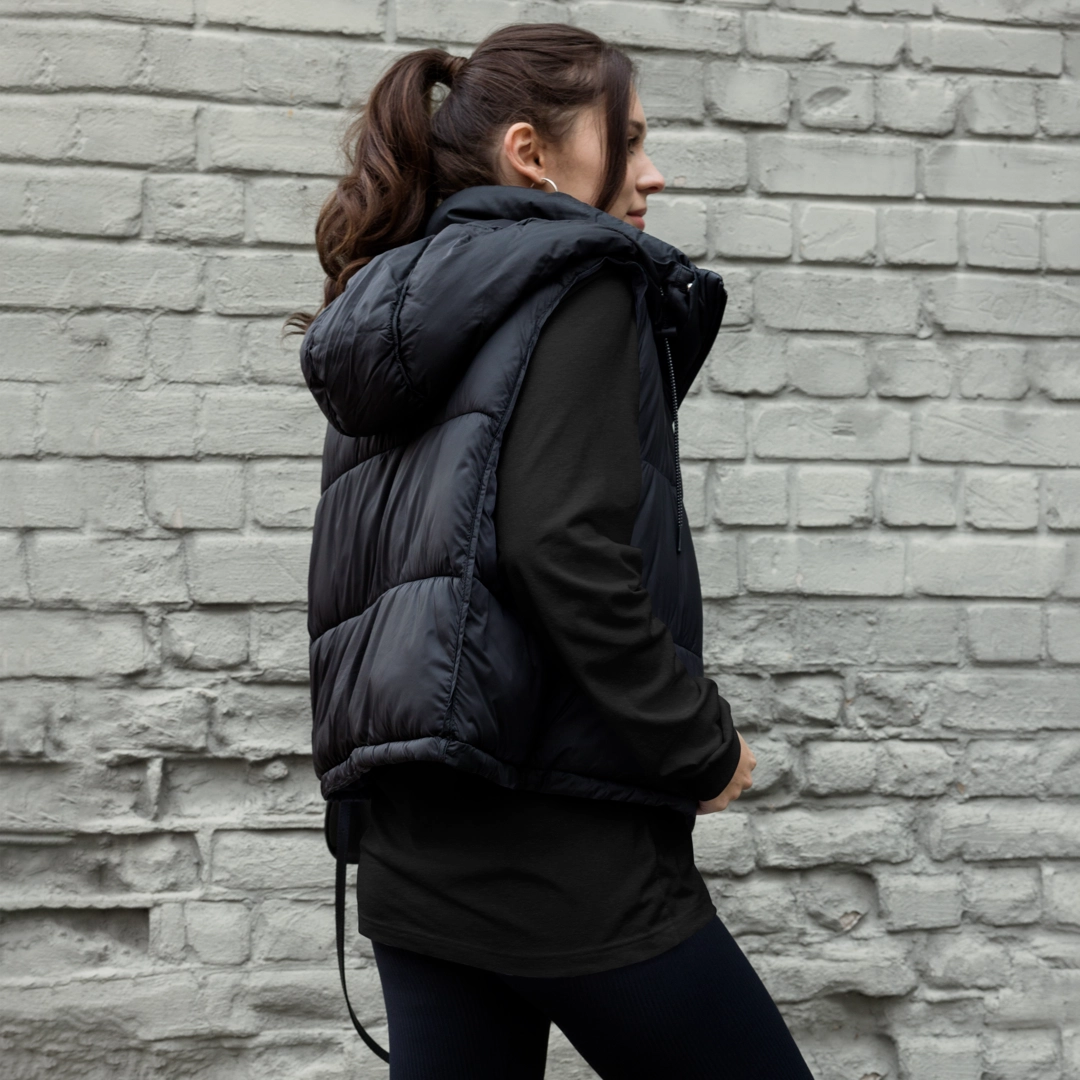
point(650, 179)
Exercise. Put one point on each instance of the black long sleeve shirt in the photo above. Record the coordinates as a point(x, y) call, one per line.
point(533, 883)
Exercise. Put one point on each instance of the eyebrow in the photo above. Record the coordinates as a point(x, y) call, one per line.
point(637, 127)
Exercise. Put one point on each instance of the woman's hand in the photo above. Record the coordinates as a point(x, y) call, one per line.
point(738, 783)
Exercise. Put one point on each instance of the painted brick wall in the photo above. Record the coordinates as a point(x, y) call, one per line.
point(882, 470)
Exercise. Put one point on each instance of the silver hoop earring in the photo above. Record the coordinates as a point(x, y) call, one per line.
point(545, 180)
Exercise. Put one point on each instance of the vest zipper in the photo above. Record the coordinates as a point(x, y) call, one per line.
point(667, 333)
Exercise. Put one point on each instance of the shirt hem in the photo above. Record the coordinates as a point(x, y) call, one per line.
point(577, 963)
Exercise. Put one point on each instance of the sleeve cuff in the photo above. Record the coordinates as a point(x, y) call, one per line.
point(719, 774)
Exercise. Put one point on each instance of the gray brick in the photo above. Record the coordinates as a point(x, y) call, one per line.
point(180, 11)
point(911, 369)
point(1063, 633)
point(285, 211)
point(809, 697)
point(293, 930)
point(834, 496)
point(718, 563)
point(70, 644)
point(13, 587)
point(1062, 238)
point(866, 303)
point(332, 16)
point(281, 649)
point(36, 128)
point(993, 370)
point(271, 859)
point(834, 233)
point(248, 570)
point(836, 968)
point(828, 367)
point(18, 413)
point(1055, 371)
point(195, 62)
point(105, 345)
point(747, 363)
point(920, 237)
point(1002, 172)
point(952, 960)
point(749, 93)
point(680, 220)
point(671, 88)
point(922, 104)
point(1005, 632)
point(86, 202)
point(1000, 107)
point(1059, 106)
point(691, 160)
point(711, 429)
point(750, 496)
point(919, 901)
point(998, 435)
point(1061, 887)
point(218, 932)
point(1003, 829)
point(761, 904)
point(804, 838)
point(1023, 1053)
point(1031, 11)
point(197, 348)
point(195, 495)
point(266, 421)
point(1003, 896)
point(56, 54)
point(88, 421)
point(1006, 239)
point(71, 494)
point(839, 767)
point(978, 48)
point(978, 566)
point(807, 37)
point(199, 208)
point(206, 640)
point(832, 165)
point(914, 769)
point(54, 273)
point(1002, 500)
point(1063, 500)
point(842, 432)
point(293, 70)
point(956, 1057)
point(259, 722)
point(753, 229)
point(723, 843)
point(262, 283)
point(250, 138)
point(835, 99)
point(826, 565)
point(651, 25)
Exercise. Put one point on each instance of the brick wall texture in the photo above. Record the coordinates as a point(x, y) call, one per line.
point(881, 463)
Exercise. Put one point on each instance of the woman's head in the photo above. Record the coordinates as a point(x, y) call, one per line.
point(534, 100)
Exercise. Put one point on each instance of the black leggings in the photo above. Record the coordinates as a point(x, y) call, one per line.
point(696, 1012)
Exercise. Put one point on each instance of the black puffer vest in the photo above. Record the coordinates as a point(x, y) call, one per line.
point(416, 651)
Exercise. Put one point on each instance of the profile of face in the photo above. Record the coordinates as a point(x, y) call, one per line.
point(575, 165)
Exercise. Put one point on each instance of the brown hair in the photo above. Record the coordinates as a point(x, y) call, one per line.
point(405, 156)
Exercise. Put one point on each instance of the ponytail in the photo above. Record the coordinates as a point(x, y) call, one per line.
point(404, 155)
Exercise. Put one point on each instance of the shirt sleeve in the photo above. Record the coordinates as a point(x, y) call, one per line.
point(569, 481)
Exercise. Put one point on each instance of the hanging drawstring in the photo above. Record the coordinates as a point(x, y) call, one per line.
point(667, 334)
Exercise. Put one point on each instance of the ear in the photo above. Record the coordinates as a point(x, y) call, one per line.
point(523, 154)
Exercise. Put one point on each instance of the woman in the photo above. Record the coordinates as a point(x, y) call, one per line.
point(502, 581)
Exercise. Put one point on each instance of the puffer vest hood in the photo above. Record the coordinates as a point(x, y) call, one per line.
point(416, 650)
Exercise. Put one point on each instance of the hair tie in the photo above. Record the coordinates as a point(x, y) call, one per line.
point(453, 67)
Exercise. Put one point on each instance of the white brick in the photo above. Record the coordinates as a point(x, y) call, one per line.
point(995, 304)
point(993, 370)
point(749, 93)
point(218, 932)
point(285, 211)
point(265, 139)
point(199, 208)
point(1003, 172)
point(330, 16)
point(825, 565)
point(82, 201)
point(922, 104)
point(996, 435)
point(828, 165)
point(918, 497)
point(87, 421)
point(55, 54)
point(284, 495)
point(948, 1057)
point(981, 566)
point(1002, 500)
point(835, 99)
point(180, 11)
point(292, 70)
point(195, 495)
point(1005, 632)
point(713, 428)
point(841, 432)
point(1055, 371)
point(1002, 896)
point(920, 237)
point(197, 348)
point(71, 494)
point(650, 25)
point(248, 570)
point(671, 88)
point(753, 229)
point(839, 767)
point(1007, 239)
point(918, 901)
point(835, 233)
point(281, 649)
point(1000, 107)
point(803, 838)
point(828, 367)
point(1030, 11)
point(680, 221)
point(1026, 52)
point(206, 640)
point(1063, 500)
point(1063, 634)
point(834, 496)
point(750, 496)
point(195, 62)
point(911, 369)
point(105, 345)
point(70, 644)
point(262, 283)
point(18, 419)
point(718, 565)
point(1063, 240)
point(808, 37)
point(268, 421)
point(747, 363)
point(48, 272)
point(1059, 109)
point(878, 303)
point(691, 160)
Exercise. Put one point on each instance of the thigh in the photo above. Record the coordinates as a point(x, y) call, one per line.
point(453, 1022)
point(698, 1011)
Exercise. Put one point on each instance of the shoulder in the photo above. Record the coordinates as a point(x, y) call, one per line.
point(602, 300)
